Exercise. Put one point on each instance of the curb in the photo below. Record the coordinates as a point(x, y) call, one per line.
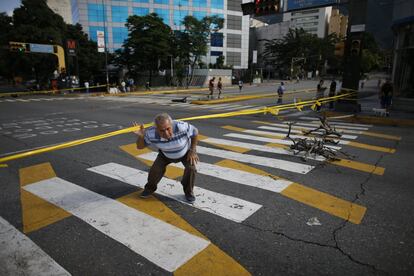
point(365, 119)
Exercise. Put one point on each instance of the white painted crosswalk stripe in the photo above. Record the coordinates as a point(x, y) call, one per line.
point(163, 244)
point(251, 146)
point(21, 256)
point(310, 126)
point(316, 120)
point(267, 140)
point(285, 130)
point(341, 126)
point(233, 175)
point(228, 207)
point(257, 160)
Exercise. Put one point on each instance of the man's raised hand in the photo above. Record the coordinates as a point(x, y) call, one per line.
point(140, 129)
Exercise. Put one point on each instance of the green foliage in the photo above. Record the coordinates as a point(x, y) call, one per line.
point(35, 22)
point(299, 43)
point(148, 45)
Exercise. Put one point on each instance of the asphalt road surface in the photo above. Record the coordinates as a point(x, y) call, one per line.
point(259, 209)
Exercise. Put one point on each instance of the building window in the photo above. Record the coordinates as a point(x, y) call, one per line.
point(95, 13)
point(216, 53)
point(141, 1)
point(140, 11)
point(216, 40)
point(164, 14)
point(179, 17)
point(92, 32)
point(119, 34)
point(181, 3)
point(199, 14)
point(217, 4)
point(234, 22)
point(162, 2)
point(200, 3)
point(119, 14)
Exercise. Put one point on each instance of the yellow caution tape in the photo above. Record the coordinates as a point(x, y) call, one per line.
point(272, 110)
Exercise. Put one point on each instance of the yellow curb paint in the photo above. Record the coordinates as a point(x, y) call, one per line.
point(36, 212)
point(131, 149)
point(212, 261)
point(381, 135)
point(308, 196)
point(325, 202)
point(370, 147)
point(359, 166)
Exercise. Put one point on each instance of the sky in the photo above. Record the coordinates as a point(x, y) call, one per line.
point(8, 6)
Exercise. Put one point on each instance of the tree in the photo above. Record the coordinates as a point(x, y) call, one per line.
point(148, 45)
point(299, 43)
point(197, 33)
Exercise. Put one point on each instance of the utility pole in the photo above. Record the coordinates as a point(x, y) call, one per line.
point(353, 52)
point(106, 48)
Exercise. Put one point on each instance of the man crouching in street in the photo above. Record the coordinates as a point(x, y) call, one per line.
point(176, 141)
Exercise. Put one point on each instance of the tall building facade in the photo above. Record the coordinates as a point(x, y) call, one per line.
point(110, 16)
point(314, 21)
point(63, 8)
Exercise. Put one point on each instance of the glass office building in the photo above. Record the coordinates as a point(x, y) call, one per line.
point(110, 16)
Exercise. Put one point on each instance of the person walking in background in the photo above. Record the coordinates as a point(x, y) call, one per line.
point(320, 93)
point(123, 88)
point(86, 84)
point(332, 93)
point(386, 93)
point(211, 87)
point(240, 85)
point(280, 91)
point(219, 87)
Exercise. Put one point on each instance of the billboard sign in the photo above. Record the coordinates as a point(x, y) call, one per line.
point(41, 48)
point(304, 4)
point(101, 41)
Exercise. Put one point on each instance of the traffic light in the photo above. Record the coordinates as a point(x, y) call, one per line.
point(340, 49)
point(20, 47)
point(265, 7)
point(355, 47)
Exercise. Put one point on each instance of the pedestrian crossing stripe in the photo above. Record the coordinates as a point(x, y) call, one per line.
point(335, 122)
point(310, 126)
point(225, 206)
point(330, 204)
point(294, 130)
point(163, 244)
point(19, 255)
point(210, 260)
point(249, 176)
point(245, 147)
point(340, 142)
point(264, 138)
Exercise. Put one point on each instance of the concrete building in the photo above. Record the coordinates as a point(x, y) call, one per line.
point(403, 65)
point(338, 24)
point(314, 21)
point(63, 8)
point(232, 41)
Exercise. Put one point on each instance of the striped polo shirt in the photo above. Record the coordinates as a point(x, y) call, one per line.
point(178, 145)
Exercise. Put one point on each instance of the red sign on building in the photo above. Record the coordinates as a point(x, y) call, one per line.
point(71, 47)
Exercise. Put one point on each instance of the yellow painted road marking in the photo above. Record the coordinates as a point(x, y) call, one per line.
point(325, 202)
point(346, 143)
point(359, 166)
point(36, 212)
point(210, 261)
point(3, 165)
point(381, 135)
point(366, 133)
point(131, 149)
point(370, 147)
point(308, 196)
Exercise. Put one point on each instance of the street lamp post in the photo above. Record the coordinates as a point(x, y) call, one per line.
point(106, 50)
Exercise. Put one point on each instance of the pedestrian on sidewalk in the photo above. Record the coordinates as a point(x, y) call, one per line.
point(219, 87)
point(147, 86)
point(320, 93)
point(176, 141)
point(240, 85)
point(386, 94)
point(211, 87)
point(123, 86)
point(86, 84)
point(280, 91)
point(332, 92)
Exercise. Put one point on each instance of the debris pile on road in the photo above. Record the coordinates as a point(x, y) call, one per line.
point(320, 143)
